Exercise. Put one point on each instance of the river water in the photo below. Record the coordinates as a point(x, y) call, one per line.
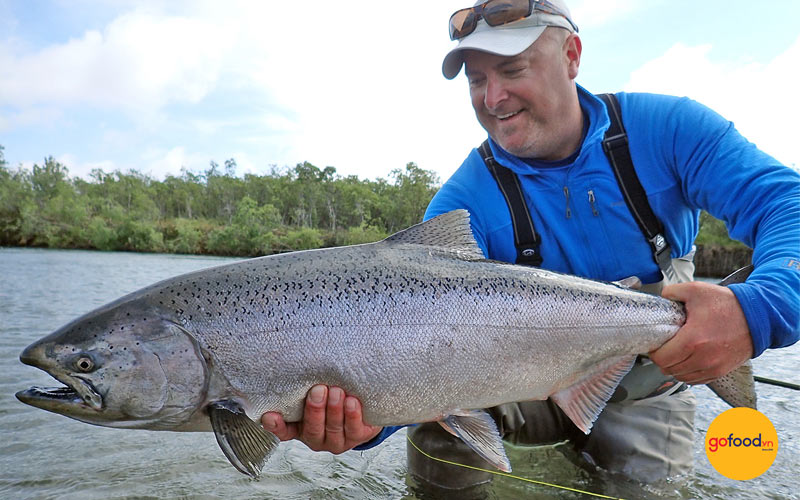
point(44, 455)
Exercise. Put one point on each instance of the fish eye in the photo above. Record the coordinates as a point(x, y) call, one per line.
point(85, 364)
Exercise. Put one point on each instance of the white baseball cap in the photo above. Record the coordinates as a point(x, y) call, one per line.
point(507, 39)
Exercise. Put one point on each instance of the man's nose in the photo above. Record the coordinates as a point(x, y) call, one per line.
point(495, 93)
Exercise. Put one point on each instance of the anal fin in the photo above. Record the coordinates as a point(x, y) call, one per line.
point(478, 430)
point(246, 444)
point(583, 401)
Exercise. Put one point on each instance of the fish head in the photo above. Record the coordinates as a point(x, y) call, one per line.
point(124, 366)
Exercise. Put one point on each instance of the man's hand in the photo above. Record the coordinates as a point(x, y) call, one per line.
point(715, 339)
point(332, 421)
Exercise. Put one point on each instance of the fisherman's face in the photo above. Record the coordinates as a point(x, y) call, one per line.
point(522, 100)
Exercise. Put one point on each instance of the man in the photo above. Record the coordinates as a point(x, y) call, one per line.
point(521, 59)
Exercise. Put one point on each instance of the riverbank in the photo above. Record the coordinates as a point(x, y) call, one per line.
point(711, 261)
point(717, 261)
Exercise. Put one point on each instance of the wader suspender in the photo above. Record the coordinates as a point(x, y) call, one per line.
point(526, 239)
point(615, 145)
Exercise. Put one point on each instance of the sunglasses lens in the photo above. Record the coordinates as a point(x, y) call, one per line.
point(499, 12)
point(462, 23)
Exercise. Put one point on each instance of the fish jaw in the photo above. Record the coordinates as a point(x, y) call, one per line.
point(76, 392)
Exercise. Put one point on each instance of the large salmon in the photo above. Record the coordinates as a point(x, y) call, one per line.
point(420, 327)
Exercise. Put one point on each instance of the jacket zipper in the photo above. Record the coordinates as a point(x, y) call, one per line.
point(592, 201)
point(566, 195)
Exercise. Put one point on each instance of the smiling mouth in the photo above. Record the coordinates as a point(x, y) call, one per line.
point(508, 115)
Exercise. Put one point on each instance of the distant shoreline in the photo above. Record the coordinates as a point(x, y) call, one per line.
point(717, 261)
point(711, 261)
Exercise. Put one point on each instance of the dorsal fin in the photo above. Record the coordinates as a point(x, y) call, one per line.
point(450, 231)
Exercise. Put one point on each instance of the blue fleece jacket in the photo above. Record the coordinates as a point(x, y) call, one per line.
point(688, 158)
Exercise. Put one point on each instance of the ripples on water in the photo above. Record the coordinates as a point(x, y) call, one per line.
point(43, 455)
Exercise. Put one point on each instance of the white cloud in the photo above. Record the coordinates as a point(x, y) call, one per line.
point(160, 162)
point(28, 116)
point(139, 62)
point(352, 86)
point(757, 97)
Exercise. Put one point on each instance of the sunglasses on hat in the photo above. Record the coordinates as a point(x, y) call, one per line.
point(499, 12)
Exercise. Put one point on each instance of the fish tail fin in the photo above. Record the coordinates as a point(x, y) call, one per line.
point(737, 388)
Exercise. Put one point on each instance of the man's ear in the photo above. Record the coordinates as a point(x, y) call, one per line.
point(572, 49)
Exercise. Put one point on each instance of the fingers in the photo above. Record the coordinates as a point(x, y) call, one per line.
point(274, 423)
point(332, 421)
point(313, 431)
point(714, 340)
point(323, 420)
point(353, 419)
point(355, 429)
point(680, 292)
point(670, 354)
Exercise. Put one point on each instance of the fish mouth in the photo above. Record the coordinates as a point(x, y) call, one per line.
point(76, 392)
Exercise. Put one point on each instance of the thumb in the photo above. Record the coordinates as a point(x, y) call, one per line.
point(679, 291)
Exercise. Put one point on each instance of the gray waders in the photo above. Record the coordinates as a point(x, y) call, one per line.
point(646, 432)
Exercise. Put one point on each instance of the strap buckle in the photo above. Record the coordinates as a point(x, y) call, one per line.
point(529, 255)
point(615, 142)
point(662, 254)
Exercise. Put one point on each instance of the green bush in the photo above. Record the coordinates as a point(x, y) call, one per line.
point(140, 237)
point(361, 234)
point(304, 238)
point(99, 235)
point(184, 236)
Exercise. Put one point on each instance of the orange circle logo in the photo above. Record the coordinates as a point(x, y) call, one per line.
point(741, 443)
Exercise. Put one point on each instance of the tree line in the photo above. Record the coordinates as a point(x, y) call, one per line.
point(213, 212)
point(217, 212)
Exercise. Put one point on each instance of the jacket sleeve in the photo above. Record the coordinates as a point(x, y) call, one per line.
point(381, 437)
point(759, 200)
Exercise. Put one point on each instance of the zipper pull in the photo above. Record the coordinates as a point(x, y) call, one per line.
point(566, 195)
point(592, 203)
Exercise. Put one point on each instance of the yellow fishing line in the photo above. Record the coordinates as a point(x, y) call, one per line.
point(505, 474)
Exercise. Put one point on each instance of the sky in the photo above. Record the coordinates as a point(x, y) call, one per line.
point(160, 86)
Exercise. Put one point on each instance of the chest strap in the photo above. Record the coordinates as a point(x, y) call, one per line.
point(615, 145)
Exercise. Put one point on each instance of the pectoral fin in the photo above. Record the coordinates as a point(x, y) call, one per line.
point(478, 430)
point(246, 444)
point(631, 283)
